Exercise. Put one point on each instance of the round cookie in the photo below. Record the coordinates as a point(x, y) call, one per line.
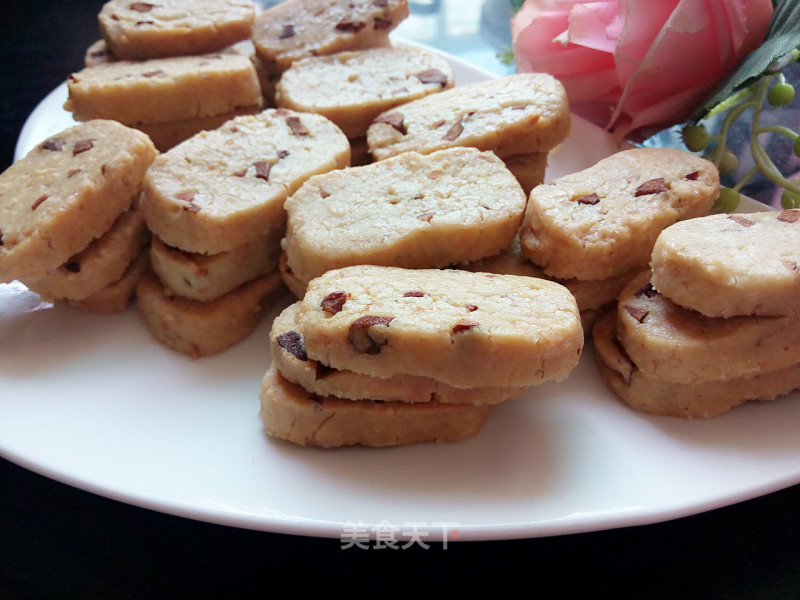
point(413, 210)
point(66, 192)
point(465, 329)
point(290, 358)
point(140, 30)
point(604, 220)
point(727, 265)
point(223, 188)
point(290, 413)
point(669, 342)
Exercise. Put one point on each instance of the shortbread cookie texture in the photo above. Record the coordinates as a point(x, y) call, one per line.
point(352, 88)
point(205, 328)
point(164, 89)
point(727, 265)
point(659, 397)
point(518, 114)
point(141, 30)
point(604, 220)
point(117, 295)
point(589, 294)
point(66, 192)
point(224, 188)
point(529, 169)
point(101, 263)
point(300, 28)
point(669, 342)
point(205, 277)
point(169, 134)
point(290, 357)
point(290, 413)
point(413, 210)
point(465, 329)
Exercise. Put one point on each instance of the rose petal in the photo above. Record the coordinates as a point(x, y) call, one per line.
point(669, 83)
point(595, 25)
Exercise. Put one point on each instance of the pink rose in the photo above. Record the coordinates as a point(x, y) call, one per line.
point(635, 67)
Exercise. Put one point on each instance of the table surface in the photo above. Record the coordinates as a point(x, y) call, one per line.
point(58, 541)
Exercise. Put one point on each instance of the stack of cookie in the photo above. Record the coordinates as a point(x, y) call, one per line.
point(69, 225)
point(352, 88)
point(519, 117)
point(716, 322)
point(298, 29)
point(214, 204)
point(592, 297)
point(413, 210)
point(385, 356)
point(167, 70)
point(593, 230)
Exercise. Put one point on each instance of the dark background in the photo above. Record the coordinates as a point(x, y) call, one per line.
point(60, 542)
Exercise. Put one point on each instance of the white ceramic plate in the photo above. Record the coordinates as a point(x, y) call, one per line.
point(94, 402)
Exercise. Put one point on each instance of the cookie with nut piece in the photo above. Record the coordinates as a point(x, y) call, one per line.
point(226, 187)
point(298, 29)
point(517, 114)
point(462, 328)
point(413, 210)
point(291, 359)
point(705, 398)
point(66, 192)
point(603, 221)
point(673, 343)
point(199, 328)
point(727, 265)
point(142, 30)
point(291, 413)
point(352, 88)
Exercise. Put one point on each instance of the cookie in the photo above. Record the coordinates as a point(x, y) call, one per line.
point(295, 285)
point(685, 400)
point(591, 297)
point(604, 220)
point(290, 413)
point(117, 295)
point(516, 114)
point(141, 30)
point(465, 329)
point(672, 343)
point(297, 29)
point(163, 90)
point(726, 265)
point(98, 54)
point(588, 294)
point(352, 88)
point(223, 188)
point(413, 210)
point(169, 134)
point(529, 169)
point(205, 328)
point(290, 357)
point(205, 277)
point(102, 262)
point(66, 192)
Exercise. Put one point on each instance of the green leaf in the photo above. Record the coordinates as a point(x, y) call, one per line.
point(782, 36)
